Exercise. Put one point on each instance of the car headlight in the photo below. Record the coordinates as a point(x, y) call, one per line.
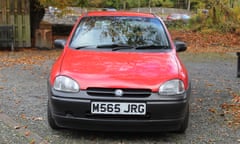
point(172, 87)
point(65, 84)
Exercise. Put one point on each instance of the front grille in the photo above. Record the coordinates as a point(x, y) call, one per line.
point(111, 92)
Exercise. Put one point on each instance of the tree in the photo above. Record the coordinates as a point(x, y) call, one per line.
point(36, 14)
point(221, 15)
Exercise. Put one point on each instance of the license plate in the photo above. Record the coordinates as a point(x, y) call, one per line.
point(118, 108)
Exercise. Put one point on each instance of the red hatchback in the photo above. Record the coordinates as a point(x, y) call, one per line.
point(119, 71)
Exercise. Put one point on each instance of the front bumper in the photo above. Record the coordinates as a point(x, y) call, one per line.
point(74, 111)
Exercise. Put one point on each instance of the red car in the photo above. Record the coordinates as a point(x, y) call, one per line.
point(119, 71)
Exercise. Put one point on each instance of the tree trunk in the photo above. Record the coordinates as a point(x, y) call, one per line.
point(124, 4)
point(214, 15)
point(189, 5)
point(139, 5)
point(37, 12)
point(149, 5)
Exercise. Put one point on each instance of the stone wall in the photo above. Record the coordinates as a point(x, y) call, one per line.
point(69, 19)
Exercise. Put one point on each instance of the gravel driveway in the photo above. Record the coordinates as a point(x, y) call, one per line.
point(23, 97)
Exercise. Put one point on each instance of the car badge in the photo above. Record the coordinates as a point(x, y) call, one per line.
point(118, 92)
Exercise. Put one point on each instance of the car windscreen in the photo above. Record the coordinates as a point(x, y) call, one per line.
point(94, 32)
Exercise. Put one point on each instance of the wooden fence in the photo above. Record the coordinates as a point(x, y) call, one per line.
point(17, 13)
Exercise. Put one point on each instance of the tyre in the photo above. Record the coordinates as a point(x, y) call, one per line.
point(51, 121)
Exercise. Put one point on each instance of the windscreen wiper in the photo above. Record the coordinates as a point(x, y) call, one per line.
point(86, 46)
point(152, 47)
point(115, 47)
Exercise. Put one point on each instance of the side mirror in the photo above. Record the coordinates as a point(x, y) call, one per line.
point(180, 46)
point(59, 43)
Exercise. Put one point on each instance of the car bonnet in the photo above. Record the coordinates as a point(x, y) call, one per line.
point(119, 69)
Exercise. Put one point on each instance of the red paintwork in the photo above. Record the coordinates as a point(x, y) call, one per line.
point(119, 13)
point(119, 69)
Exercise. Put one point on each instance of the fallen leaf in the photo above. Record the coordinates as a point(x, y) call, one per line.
point(200, 100)
point(37, 118)
point(27, 133)
point(233, 108)
point(23, 116)
point(222, 114)
point(210, 43)
point(17, 127)
point(209, 85)
point(213, 110)
point(32, 142)
point(218, 91)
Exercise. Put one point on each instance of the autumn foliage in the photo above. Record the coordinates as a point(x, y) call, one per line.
point(233, 109)
point(208, 41)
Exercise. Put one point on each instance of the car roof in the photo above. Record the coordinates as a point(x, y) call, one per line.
point(119, 13)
